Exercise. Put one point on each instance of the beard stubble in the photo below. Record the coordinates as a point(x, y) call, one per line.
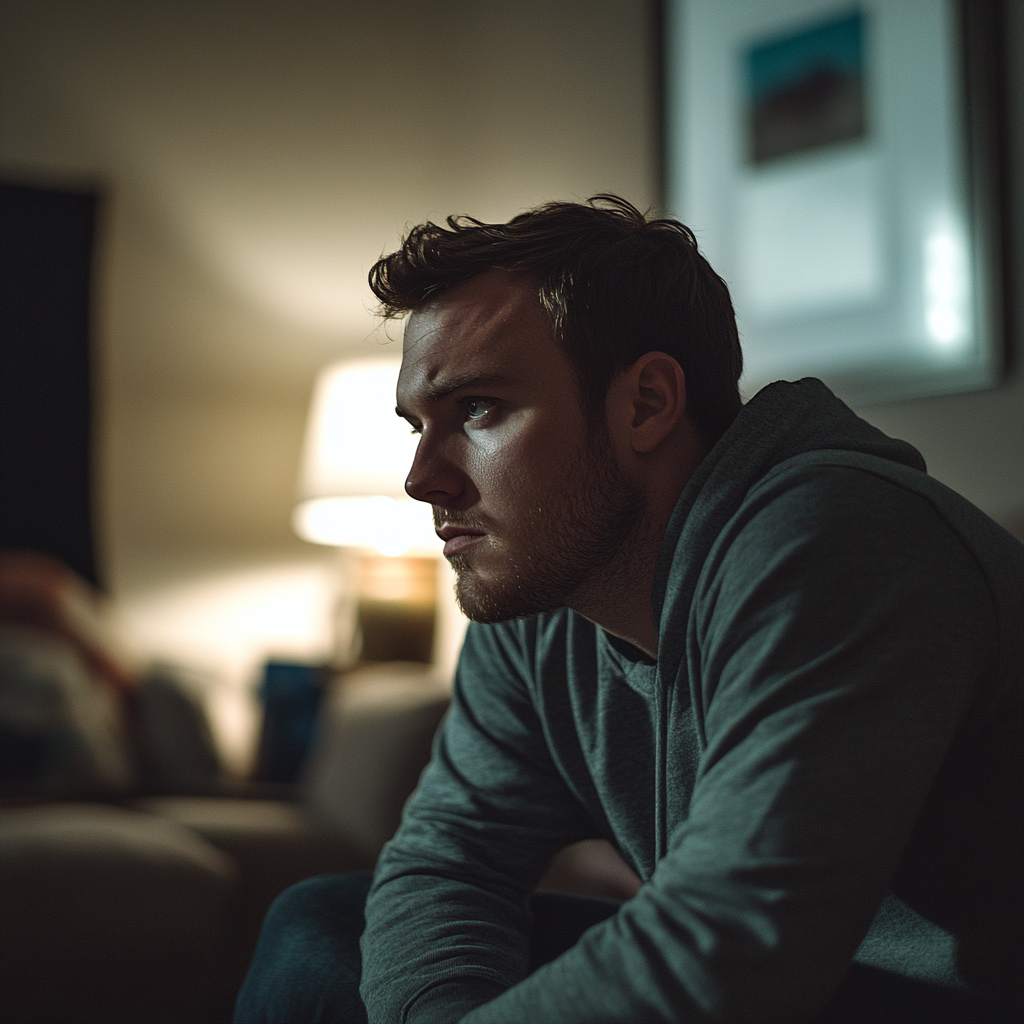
point(572, 542)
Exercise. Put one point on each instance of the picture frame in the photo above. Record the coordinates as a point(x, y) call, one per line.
point(839, 165)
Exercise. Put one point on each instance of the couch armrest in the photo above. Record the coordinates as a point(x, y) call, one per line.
point(375, 740)
point(107, 914)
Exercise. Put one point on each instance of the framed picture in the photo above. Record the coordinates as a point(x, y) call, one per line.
point(838, 165)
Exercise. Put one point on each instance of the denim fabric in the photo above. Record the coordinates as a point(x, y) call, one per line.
point(307, 964)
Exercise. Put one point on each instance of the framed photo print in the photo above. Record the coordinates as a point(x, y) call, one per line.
point(838, 165)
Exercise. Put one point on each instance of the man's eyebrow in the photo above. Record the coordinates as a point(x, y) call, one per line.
point(442, 389)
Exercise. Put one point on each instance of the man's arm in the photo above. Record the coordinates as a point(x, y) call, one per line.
point(447, 918)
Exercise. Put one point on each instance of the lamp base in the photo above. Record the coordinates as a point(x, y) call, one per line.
point(387, 609)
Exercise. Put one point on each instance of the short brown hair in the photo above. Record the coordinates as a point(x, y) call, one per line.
point(615, 284)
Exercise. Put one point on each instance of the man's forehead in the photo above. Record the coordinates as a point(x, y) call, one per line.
point(490, 300)
point(490, 317)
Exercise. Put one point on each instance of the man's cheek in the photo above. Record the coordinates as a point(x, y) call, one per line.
point(500, 477)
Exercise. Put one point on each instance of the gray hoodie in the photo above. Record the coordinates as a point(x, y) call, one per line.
point(824, 762)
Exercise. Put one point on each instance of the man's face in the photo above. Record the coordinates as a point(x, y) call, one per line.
point(527, 498)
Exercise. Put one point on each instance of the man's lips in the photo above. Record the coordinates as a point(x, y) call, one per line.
point(457, 538)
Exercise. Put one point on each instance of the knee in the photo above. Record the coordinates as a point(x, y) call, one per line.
point(331, 902)
point(307, 960)
point(311, 896)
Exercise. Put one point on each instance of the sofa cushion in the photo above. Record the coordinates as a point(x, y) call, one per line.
point(107, 914)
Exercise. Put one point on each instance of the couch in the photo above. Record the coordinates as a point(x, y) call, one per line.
point(147, 908)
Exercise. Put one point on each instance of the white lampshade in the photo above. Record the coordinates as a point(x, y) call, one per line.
point(355, 459)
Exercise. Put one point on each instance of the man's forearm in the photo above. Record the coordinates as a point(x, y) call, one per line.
point(435, 948)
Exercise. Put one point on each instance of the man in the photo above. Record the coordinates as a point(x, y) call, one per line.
point(758, 649)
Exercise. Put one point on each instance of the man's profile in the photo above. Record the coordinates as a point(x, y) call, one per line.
point(755, 647)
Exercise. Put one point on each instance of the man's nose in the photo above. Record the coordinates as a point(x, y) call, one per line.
point(433, 477)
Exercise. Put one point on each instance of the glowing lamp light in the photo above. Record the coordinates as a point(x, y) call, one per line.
point(356, 456)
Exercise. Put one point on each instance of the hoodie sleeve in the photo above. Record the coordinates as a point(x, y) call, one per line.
point(446, 916)
point(836, 638)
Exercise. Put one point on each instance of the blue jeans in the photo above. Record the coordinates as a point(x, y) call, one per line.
point(307, 964)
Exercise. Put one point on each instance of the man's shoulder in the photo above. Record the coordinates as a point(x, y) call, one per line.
point(831, 503)
point(825, 528)
point(846, 486)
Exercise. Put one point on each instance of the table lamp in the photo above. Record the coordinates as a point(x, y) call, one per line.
point(356, 455)
point(351, 495)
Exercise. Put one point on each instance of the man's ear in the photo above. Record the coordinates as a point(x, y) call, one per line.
point(654, 392)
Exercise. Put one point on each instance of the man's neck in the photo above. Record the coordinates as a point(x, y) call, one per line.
point(620, 598)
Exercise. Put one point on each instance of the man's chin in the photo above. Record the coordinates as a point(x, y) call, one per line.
point(502, 599)
point(476, 600)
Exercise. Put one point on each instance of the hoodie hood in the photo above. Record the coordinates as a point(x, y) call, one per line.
point(780, 422)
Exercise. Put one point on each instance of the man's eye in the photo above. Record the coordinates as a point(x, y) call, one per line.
point(477, 407)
